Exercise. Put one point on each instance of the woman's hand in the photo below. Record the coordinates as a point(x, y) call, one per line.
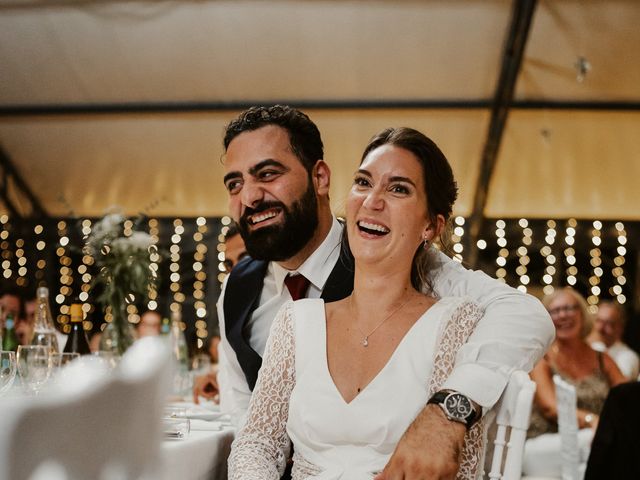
point(587, 419)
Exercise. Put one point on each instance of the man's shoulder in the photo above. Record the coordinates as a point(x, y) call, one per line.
point(621, 348)
point(629, 392)
point(247, 276)
point(249, 266)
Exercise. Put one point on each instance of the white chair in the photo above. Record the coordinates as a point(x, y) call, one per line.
point(512, 421)
point(92, 425)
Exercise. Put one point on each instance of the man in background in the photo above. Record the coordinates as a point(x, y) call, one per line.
point(25, 322)
point(606, 336)
point(11, 303)
point(234, 249)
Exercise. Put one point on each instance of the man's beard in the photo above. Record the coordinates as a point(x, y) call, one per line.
point(284, 240)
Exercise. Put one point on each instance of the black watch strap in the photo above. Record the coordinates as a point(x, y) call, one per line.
point(440, 397)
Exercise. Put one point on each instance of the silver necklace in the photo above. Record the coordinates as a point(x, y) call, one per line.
point(365, 337)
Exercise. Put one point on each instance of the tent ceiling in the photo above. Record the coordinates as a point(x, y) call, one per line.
point(186, 64)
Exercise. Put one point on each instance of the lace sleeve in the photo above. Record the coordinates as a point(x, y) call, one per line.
point(261, 448)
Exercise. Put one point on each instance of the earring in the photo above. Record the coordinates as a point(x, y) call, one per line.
point(425, 243)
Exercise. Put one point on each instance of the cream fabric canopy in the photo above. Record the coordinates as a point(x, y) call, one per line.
point(124, 103)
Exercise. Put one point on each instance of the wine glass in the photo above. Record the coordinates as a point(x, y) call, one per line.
point(59, 360)
point(110, 359)
point(34, 366)
point(7, 370)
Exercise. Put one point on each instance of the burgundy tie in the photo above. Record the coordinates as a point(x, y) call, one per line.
point(297, 286)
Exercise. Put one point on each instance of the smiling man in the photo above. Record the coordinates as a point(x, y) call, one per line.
point(278, 185)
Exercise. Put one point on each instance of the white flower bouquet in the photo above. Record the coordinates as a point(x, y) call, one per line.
point(125, 274)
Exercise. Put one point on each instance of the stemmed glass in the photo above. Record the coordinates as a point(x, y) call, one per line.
point(59, 360)
point(34, 366)
point(7, 370)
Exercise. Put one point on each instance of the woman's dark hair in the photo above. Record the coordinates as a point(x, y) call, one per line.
point(304, 135)
point(440, 186)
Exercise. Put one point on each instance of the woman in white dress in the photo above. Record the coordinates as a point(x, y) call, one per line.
point(342, 381)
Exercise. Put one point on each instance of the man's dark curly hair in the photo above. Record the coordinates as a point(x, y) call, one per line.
point(304, 136)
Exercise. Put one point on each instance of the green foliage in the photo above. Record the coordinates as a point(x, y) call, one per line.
point(125, 271)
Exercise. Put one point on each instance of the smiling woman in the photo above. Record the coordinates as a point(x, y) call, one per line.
point(592, 374)
point(340, 360)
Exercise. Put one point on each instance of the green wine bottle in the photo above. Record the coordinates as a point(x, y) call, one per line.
point(77, 340)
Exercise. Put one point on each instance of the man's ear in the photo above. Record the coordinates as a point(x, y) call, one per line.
point(435, 228)
point(321, 176)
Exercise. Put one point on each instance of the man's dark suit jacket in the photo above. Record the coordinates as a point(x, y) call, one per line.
point(615, 450)
point(242, 297)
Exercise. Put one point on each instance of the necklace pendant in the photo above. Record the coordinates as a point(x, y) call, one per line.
point(365, 342)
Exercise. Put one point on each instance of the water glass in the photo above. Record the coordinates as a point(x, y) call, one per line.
point(7, 370)
point(174, 412)
point(34, 366)
point(176, 427)
point(59, 360)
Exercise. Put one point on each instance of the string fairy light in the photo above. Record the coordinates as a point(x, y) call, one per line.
point(596, 271)
point(523, 255)
point(458, 233)
point(40, 245)
point(619, 261)
point(549, 258)
point(174, 266)
point(7, 253)
point(221, 248)
point(154, 265)
point(569, 251)
point(503, 253)
point(200, 281)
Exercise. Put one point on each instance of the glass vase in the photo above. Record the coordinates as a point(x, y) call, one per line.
point(119, 334)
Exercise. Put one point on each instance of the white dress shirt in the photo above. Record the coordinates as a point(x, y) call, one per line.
point(626, 359)
point(514, 332)
point(234, 390)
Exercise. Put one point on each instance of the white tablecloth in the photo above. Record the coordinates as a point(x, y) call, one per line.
point(202, 455)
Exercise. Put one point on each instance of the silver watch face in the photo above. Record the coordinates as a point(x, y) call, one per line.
point(458, 406)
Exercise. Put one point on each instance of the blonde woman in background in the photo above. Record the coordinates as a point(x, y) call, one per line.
point(592, 373)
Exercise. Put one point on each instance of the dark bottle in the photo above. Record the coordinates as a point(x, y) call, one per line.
point(9, 339)
point(77, 339)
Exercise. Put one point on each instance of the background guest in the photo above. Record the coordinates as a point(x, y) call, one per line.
point(10, 302)
point(570, 356)
point(607, 334)
point(234, 248)
point(149, 324)
point(24, 325)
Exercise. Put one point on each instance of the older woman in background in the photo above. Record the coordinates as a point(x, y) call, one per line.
point(592, 374)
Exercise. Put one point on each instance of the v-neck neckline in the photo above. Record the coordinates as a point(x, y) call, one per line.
point(390, 360)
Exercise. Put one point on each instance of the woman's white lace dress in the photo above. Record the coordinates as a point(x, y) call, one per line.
point(295, 399)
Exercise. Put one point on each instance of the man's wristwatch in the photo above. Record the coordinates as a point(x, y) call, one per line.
point(456, 407)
